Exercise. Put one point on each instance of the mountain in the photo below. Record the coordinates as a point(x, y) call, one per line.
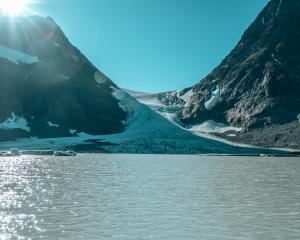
point(48, 87)
point(52, 97)
point(256, 87)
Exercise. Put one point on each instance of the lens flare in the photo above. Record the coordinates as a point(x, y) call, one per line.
point(13, 7)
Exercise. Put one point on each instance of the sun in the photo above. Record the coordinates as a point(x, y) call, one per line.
point(13, 7)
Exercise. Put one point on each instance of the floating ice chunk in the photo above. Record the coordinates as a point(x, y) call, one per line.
point(15, 152)
point(16, 56)
point(215, 95)
point(298, 117)
point(57, 44)
point(68, 153)
point(15, 122)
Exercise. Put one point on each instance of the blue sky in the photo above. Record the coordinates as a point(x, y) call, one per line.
point(153, 45)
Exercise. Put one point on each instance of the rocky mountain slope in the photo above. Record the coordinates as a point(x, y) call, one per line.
point(48, 87)
point(256, 87)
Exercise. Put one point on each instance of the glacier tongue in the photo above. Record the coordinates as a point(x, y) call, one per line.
point(143, 121)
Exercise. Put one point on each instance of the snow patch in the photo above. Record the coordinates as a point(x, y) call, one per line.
point(231, 135)
point(186, 97)
point(16, 56)
point(15, 122)
point(276, 60)
point(211, 126)
point(72, 131)
point(279, 6)
point(215, 96)
point(50, 124)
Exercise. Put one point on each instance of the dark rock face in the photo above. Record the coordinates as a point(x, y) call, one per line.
point(62, 91)
point(258, 83)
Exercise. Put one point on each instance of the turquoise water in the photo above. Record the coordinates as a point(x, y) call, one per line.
point(136, 197)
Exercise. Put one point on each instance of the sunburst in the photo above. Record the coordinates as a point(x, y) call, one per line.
point(13, 7)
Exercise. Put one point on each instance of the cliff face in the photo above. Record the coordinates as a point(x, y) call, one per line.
point(48, 87)
point(256, 87)
point(258, 83)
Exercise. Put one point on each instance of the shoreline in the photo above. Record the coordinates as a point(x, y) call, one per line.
point(69, 153)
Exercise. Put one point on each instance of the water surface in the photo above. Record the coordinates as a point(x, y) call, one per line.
point(159, 197)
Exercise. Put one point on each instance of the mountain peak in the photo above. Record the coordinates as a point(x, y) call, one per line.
point(258, 83)
point(45, 79)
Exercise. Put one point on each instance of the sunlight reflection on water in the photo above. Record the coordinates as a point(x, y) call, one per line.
point(96, 196)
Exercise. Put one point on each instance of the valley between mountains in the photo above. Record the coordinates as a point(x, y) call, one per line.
point(53, 97)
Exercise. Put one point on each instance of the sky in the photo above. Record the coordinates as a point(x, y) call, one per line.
point(153, 45)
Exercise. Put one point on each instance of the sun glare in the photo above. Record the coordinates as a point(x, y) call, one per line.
point(13, 7)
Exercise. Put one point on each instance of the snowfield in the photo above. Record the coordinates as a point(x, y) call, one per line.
point(16, 56)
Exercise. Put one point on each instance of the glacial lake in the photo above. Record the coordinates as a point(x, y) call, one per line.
point(157, 197)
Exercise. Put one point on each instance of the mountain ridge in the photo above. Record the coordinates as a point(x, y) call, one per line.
point(256, 87)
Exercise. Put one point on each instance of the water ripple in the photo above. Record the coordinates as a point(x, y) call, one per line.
point(153, 197)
